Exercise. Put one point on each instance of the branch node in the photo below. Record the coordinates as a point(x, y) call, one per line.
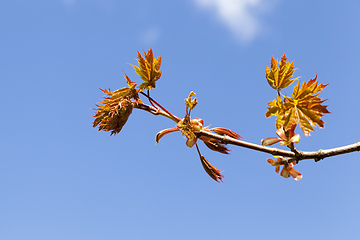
point(320, 155)
point(299, 155)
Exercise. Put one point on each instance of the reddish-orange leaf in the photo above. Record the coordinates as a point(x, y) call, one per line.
point(116, 110)
point(148, 69)
point(217, 146)
point(162, 133)
point(117, 107)
point(212, 171)
point(276, 107)
point(225, 131)
point(280, 73)
point(305, 107)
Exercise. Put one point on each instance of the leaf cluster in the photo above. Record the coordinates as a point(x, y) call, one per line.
point(304, 107)
point(118, 105)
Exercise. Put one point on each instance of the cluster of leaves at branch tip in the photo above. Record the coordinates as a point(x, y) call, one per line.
point(304, 107)
point(118, 105)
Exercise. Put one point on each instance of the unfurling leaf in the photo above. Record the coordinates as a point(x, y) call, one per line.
point(118, 106)
point(225, 131)
point(295, 174)
point(287, 137)
point(270, 141)
point(116, 110)
point(190, 142)
point(217, 146)
point(162, 133)
point(287, 170)
point(148, 70)
point(212, 171)
point(280, 73)
point(295, 139)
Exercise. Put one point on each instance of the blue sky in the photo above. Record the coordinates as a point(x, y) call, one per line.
point(62, 179)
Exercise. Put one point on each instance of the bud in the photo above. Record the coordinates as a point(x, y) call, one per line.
point(197, 124)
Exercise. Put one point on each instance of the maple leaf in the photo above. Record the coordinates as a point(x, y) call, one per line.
point(148, 70)
point(305, 107)
point(280, 73)
point(276, 107)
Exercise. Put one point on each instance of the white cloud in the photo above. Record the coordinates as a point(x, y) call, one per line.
point(240, 16)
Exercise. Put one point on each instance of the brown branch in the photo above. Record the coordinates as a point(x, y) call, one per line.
point(293, 156)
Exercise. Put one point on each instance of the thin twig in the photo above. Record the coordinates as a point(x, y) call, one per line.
point(173, 117)
point(155, 111)
point(293, 156)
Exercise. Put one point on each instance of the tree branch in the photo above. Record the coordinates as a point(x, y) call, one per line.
point(293, 156)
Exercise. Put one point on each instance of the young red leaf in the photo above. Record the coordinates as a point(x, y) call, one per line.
point(162, 133)
point(116, 110)
point(212, 171)
point(217, 146)
point(225, 131)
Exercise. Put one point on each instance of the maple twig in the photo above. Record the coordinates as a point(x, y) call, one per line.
point(152, 101)
point(293, 156)
point(155, 111)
